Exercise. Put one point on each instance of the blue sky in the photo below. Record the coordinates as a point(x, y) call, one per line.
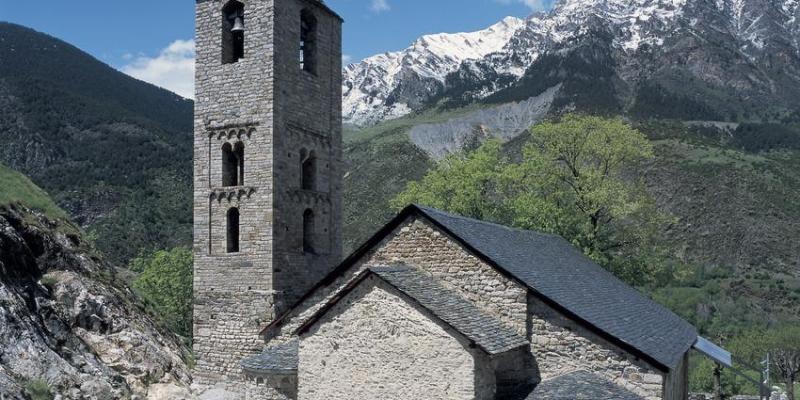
point(152, 39)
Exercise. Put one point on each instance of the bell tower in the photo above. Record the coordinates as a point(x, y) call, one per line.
point(267, 169)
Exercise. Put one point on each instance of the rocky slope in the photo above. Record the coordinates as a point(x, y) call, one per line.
point(740, 58)
point(67, 323)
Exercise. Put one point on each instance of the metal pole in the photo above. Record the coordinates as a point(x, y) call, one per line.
point(717, 381)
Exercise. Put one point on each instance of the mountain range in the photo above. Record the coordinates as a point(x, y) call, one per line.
point(729, 60)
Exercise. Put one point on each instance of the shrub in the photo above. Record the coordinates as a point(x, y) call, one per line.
point(38, 389)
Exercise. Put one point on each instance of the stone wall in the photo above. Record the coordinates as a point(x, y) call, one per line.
point(281, 387)
point(418, 243)
point(265, 103)
point(374, 344)
point(560, 345)
point(230, 108)
point(308, 119)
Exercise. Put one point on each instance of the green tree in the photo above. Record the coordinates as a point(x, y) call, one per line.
point(749, 350)
point(784, 351)
point(783, 346)
point(165, 282)
point(463, 183)
point(575, 179)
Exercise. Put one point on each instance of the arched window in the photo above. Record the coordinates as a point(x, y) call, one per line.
point(233, 230)
point(309, 170)
point(232, 32)
point(238, 152)
point(308, 231)
point(230, 166)
point(308, 39)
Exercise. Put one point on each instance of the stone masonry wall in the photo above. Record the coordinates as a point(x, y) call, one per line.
point(374, 344)
point(561, 346)
point(230, 108)
point(417, 243)
point(309, 120)
point(558, 344)
point(254, 102)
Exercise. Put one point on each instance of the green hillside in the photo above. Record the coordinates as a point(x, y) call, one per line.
point(114, 152)
point(16, 188)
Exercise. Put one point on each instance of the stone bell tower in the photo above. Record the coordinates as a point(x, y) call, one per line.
point(267, 169)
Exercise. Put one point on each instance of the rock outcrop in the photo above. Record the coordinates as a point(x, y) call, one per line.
point(65, 319)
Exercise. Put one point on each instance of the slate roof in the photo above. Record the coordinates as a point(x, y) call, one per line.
point(280, 359)
point(558, 274)
point(486, 332)
point(581, 385)
point(561, 275)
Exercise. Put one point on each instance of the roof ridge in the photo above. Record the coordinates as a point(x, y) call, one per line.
point(426, 209)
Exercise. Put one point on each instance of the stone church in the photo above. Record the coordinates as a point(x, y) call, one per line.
point(433, 306)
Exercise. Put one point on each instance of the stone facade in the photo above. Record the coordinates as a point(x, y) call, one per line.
point(266, 103)
point(420, 244)
point(558, 344)
point(375, 344)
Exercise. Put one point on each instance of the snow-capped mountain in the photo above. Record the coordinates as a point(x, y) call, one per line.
point(384, 86)
point(645, 50)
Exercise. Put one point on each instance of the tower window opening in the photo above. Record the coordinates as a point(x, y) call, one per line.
point(238, 151)
point(308, 231)
point(309, 170)
point(232, 165)
point(233, 230)
point(308, 38)
point(232, 32)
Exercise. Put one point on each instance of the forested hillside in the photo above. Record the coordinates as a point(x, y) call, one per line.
point(114, 152)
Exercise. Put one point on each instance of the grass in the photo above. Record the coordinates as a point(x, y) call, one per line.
point(38, 389)
point(16, 188)
point(704, 155)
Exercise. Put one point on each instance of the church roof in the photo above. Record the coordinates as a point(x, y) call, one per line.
point(569, 281)
point(280, 359)
point(486, 332)
point(559, 275)
point(581, 385)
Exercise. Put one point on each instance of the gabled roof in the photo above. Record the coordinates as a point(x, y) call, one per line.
point(560, 276)
point(581, 385)
point(444, 304)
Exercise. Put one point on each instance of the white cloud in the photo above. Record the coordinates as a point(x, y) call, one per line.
point(379, 6)
point(346, 59)
point(534, 5)
point(172, 69)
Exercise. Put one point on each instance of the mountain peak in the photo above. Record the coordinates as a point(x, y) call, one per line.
point(484, 62)
point(369, 84)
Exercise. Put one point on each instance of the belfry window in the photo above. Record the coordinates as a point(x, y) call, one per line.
point(308, 39)
point(232, 165)
point(308, 231)
point(232, 32)
point(309, 170)
point(233, 230)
